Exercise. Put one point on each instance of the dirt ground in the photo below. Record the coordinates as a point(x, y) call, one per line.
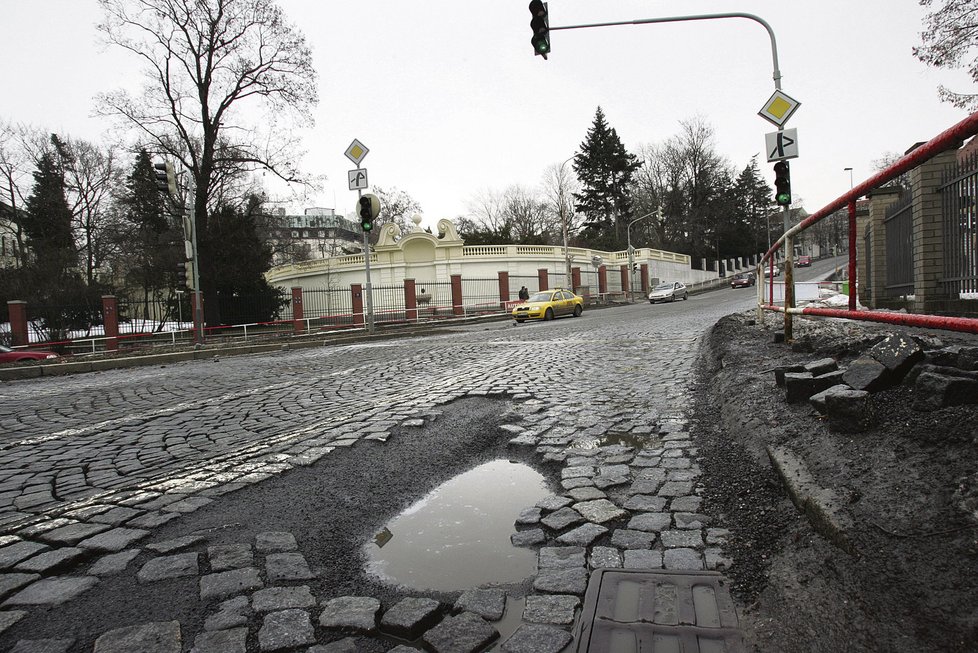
point(910, 482)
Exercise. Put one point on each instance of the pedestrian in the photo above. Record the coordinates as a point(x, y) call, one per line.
point(524, 294)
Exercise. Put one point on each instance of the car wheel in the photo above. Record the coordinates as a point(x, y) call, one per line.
point(685, 296)
point(672, 297)
point(578, 310)
point(521, 321)
point(651, 301)
point(549, 315)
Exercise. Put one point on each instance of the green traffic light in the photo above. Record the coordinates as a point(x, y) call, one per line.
point(783, 199)
point(542, 47)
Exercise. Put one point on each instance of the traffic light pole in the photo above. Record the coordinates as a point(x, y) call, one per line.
point(198, 308)
point(677, 19)
point(367, 287)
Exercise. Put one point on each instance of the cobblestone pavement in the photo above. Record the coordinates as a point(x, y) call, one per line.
point(91, 466)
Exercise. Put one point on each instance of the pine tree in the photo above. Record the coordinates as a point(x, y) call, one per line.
point(48, 223)
point(604, 168)
point(753, 206)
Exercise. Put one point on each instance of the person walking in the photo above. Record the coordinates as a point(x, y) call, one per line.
point(524, 294)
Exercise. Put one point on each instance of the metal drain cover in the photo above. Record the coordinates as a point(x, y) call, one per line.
point(633, 610)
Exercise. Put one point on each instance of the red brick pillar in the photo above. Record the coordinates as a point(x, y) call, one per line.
point(410, 300)
point(645, 278)
point(624, 278)
point(503, 289)
point(543, 279)
point(602, 280)
point(110, 322)
point(298, 315)
point(18, 322)
point(356, 290)
point(457, 307)
point(575, 279)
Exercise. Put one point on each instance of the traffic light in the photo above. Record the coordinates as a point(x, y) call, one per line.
point(636, 267)
point(182, 275)
point(166, 178)
point(188, 272)
point(540, 24)
point(369, 209)
point(782, 183)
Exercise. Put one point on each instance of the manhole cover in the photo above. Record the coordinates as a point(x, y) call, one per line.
point(632, 610)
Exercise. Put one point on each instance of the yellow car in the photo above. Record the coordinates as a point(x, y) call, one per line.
point(548, 304)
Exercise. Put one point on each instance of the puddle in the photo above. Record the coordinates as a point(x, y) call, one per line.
point(638, 442)
point(457, 537)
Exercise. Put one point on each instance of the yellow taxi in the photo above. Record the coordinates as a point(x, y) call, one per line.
point(548, 304)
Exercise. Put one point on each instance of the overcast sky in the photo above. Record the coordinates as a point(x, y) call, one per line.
point(451, 101)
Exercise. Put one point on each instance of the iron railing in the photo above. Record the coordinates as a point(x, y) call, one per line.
point(959, 190)
point(898, 227)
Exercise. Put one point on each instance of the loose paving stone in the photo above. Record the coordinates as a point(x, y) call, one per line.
point(689, 503)
point(529, 516)
point(356, 612)
point(228, 583)
point(561, 581)
point(287, 566)
point(113, 563)
point(52, 591)
point(599, 511)
point(490, 604)
point(465, 633)
point(528, 538)
point(586, 494)
point(645, 503)
point(272, 599)
point(534, 638)
point(9, 617)
point(605, 482)
point(561, 557)
point(675, 488)
point(223, 557)
point(284, 630)
point(577, 471)
point(716, 536)
point(116, 516)
point(153, 520)
point(10, 583)
point(156, 637)
point(349, 645)
point(554, 502)
point(45, 563)
point(624, 538)
point(410, 617)
point(644, 486)
point(169, 546)
point(11, 554)
point(691, 520)
point(582, 535)
point(650, 521)
point(682, 559)
point(42, 646)
point(115, 540)
point(556, 609)
point(571, 483)
point(642, 559)
point(561, 519)
point(716, 561)
point(188, 505)
point(233, 640)
point(678, 539)
point(165, 567)
point(604, 557)
point(651, 474)
point(231, 614)
point(275, 542)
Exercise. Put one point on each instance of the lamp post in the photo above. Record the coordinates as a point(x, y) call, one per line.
point(631, 250)
point(850, 176)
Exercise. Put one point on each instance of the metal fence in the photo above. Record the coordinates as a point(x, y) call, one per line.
point(959, 190)
point(480, 295)
point(898, 227)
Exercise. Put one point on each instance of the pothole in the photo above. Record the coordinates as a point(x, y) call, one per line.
point(457, 536)
point(638, 442)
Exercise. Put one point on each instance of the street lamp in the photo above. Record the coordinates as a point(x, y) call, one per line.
point(631, 250)
point(563, 221)
point(850, 177)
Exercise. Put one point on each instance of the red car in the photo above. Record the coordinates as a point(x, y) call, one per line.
point(742, 280)
point(804, 261)
point(8, 355)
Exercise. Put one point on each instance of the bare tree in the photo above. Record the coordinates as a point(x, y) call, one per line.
point(396, 207)
point(559, 185)
point(949, 40)
point(488, 210)
point(208, 65)
point(529, 217)
point(16, 164)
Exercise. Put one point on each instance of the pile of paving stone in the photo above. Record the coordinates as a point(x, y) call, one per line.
point(941, 376)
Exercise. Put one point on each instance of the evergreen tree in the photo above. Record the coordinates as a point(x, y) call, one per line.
point(47, 223)
point(753, 204)
point(604, 168)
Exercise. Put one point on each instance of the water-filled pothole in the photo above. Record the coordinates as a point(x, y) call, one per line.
point(638, 442)
point(457, 536)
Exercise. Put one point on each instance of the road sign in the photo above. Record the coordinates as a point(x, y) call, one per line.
point(781, 145)
point(356, 152)
point(358, 178)
point(779, 108)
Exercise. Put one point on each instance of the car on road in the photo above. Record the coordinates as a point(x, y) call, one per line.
point(8, 355)
point(804, 261)
point(742, 280)
point(767, 272)
point(548, 304)
point(668, 292)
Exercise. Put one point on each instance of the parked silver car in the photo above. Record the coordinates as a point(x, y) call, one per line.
point(668, 292)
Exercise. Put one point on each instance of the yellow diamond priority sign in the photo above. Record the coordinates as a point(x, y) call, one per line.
point(356, 152)
point(779, 108)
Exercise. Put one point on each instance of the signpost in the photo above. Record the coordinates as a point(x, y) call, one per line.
point(356, 152)
point(781, 145)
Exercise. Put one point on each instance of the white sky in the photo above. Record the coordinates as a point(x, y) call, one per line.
point(451, 101)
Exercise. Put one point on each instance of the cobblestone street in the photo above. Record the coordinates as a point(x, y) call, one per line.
point(102, 476)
